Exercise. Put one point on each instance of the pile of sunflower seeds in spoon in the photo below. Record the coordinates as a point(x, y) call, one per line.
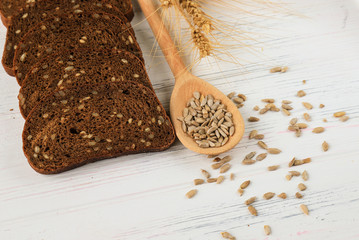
point(207, 121)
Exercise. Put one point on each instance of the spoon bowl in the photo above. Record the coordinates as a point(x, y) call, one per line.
point(186, 84)
point(182, 92)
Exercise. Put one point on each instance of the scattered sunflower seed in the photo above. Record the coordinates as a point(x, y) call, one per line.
point(268, 195)
point(318, 130)
point(307, 105)
point(225, 168)
point(262, 145)
point(286, 112)
point(252, 210)
point(273, 168)
point(211, 180)
point(240, 191)
point(248, 161)
point(191, 193)
point(263, 110)
point(302, 187)
point(274, 150)
point(256, 108)
point(301, 93)
point(252, 134)
point(344, 118)
point(232, 176)
point(268, 100)
point(250, 155)
point(198, 181)
point(325, 146)
point(288, 177)
point(245, 184)
point(339, 114)
point(253, 119)
point(301, 125)
point(304, 209)
point(298, 195)
point(231, 95)
point(321, 105)
point(267, 230)
point(325, 120)
point(240, 95)
point(217, 159)
point(275, 69)
point(250, 200)
point(293, 121)
point(205, 173)
point(291, 163)
point(220, 179)
point(282, 195)
point(286, 101)
point(294, 173)
point(259, 136)
point(227, 235)
point(261, 156)
point(305, 175)
point(307, 117)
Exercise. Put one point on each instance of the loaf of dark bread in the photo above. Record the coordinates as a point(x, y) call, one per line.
point(69, 69)
point(76, 126)
point(10, 8)
point(42, 10)
point(97, 30)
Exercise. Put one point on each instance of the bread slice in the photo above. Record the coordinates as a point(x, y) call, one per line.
point(68, 69)
point(10, 8)
point(42, 10)
point(79, 125)
point(97, 30)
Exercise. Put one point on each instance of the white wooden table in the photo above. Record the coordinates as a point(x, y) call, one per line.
point(143, 196)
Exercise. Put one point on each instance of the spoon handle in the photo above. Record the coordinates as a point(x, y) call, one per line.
point(163, 38)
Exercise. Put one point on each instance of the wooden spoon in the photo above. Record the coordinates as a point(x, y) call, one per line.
point(185, 84)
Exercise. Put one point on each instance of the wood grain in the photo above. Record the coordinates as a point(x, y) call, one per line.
point(143, 196)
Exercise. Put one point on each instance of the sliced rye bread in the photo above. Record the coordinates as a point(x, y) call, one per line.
point(97, 30)
point(10, 8)
point(97, 122)
point(26, 19)
point(69, 69)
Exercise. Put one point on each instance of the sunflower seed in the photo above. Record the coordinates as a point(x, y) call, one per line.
point(274, 150)
point(227, 235)
point(205, 173)
point(286, 102)
point(301, 93)
point(238, 100)
point(294, 173)
point(275, 69)
point(286, 107)
point(259, 136)
point(211, 180)
point(263, 110)
point(344, 118)
point(231, 95)
point(255, 108)
point(250, 201)
point(198, 181)
point(305, 175)
point(304, 209)
point(232, 176)
point(196, 95)
point(298, 195)
point(250, 155)
point(307, 117)
point(288, 177)
point(248, 161)
point(253, 119)
point(282, 195)
point(240, 191)
point(240, 95)
point(339, 114)
point(273, 168)
point(268, 100)
point(252, 134)
point(191, 193)
point(286, 112)
point(302, 187)
point(268, 195)
point(252, 210)
point(245, 184)
point(225, 168)
point(318, 130)
point(321, 106)
point(293, 121)
point(261, 156)
point(262, 145)
point(267, 230)
point(301, 125)
point(325, 146)
point(307, 105)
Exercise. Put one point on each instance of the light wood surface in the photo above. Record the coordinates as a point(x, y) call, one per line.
point(186, 84)
point(143, 196)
